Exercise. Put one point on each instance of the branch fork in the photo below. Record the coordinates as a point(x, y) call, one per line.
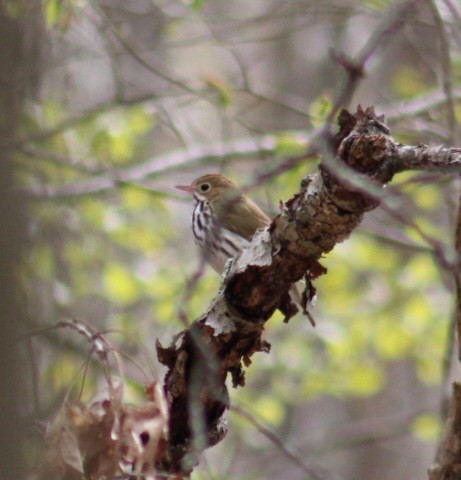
point(329, 206)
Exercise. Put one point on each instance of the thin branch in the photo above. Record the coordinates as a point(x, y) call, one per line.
point(412, 108)
point(447, 73)
point(142, 61)
point(362, 432)
point(329, 206)
point(192, 157)
point(77, 120)
point(394, 113)
point(355, 67)
point(438, 159)
point(314, 473)
point(458, 276)
point(60, 159)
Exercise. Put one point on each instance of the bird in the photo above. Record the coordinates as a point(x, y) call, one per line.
point(224, 220)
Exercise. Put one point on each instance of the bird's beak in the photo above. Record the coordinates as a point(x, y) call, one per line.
point(186, 188)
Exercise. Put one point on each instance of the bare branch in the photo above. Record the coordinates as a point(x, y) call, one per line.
point(447, 74)
point(192, 157)
point(355, 67)
point(131, 49)
point(327, 209)
point(417, 106)
point(422, 157)
point(314, 473)
point(74, 121)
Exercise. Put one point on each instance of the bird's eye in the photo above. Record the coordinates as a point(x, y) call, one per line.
point(204, 187)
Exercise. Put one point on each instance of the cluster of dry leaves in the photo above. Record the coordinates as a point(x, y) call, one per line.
point(106, 438)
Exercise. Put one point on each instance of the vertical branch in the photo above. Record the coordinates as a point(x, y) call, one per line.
point(457, 274)
point(448, 461)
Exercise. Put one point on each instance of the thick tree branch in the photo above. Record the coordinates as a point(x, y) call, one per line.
point(409, 157)
point(327, 209)
point(420, 157)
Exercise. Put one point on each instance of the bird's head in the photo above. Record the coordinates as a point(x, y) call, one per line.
point(211, 187)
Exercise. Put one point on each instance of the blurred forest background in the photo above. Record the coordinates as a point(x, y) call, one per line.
point(108, 104)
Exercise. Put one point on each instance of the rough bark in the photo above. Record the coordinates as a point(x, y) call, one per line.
point(328, 207)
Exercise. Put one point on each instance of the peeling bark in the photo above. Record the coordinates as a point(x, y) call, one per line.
point(326, 210)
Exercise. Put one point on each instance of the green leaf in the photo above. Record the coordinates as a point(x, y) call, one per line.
point(221, 89)
point(378, 5)
point(197, 5)
point(270, 408)
point(364, 379)
point(288, 144)
point(42, 259)
point(391, 340)
point(140, 121)
point(408, 82)
point(53, 11)
point(121, 146)
point(319, 109)
point(426, 428)
point(428, 367)
point(135, 198)
point(119, 284)
point(100, 143)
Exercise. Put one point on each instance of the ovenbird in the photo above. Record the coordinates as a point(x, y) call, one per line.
point(224, 220)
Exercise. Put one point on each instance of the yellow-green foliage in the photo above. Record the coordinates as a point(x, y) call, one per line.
point(123, 260)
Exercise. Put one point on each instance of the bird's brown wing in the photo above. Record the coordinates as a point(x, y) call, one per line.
point(243, 217)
